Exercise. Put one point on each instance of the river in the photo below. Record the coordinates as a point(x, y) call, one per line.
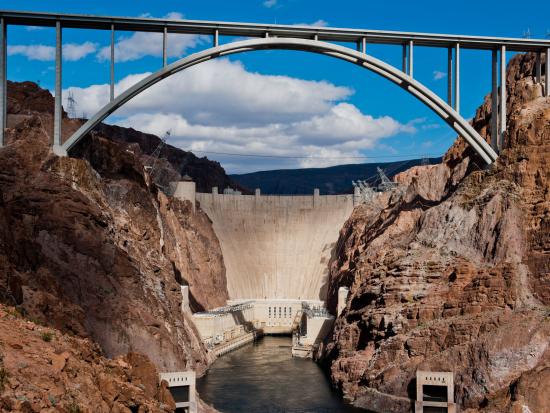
point(263, 377)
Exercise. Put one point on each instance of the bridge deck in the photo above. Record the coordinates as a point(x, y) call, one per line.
point(259, 30)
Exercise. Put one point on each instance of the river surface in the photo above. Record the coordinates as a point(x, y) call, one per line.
point(263, 377)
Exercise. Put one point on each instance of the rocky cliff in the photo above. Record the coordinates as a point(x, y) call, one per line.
point(43, 370)
point(450, 273)
point(89, 246)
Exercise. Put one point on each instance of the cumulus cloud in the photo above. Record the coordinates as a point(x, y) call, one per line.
point(141, 44)
point(270, 3)
point(33, 52)
point(223, 92)
point(438, 75)
point(71, 51)
point(219, 106)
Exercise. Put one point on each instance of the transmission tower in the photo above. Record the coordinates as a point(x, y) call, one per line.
point(153, 167)
point(385, 183)
point(368, 195)
point(527, 34)
point(71, 105)
point(425, 160)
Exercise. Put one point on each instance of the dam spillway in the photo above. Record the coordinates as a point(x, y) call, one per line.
point(276, 247)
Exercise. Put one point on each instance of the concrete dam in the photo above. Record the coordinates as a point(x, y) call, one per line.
point(276, 250)
point(277, 247)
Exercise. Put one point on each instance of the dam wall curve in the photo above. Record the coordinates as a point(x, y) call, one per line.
point(276, 247)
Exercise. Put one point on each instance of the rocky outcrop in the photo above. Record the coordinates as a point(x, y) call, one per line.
point(89, 246)
point(43, 370)
point(450, 273)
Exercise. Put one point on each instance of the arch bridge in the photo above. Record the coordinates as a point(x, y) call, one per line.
point(320, 40)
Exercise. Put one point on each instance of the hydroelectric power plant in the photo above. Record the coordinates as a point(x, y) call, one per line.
point(276, 252)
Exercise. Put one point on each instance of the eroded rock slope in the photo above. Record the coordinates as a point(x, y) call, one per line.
point(453, 274)
point(89, 246)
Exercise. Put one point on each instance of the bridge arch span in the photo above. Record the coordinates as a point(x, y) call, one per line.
point(412, 86)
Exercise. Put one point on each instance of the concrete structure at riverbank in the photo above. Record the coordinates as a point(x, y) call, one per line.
point(241, 321)
point(182, 386)
point(434, 392)
point(315, 324)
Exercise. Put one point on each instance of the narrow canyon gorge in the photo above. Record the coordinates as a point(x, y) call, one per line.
point(449, 272)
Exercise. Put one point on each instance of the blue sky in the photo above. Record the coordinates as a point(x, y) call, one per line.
point(313, 109)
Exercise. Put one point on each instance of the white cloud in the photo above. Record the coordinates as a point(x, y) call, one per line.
point(173, 15)
point(316, 23)
point(438, 75)
point(345, 124)
point(223, 92)
point(219, 106)
point(270, 3)
point(141, 44)
point(71, 51)
point(33, 52)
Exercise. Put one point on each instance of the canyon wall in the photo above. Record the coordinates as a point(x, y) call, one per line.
point(452, 274)
point(277, 246)
point(89, 246)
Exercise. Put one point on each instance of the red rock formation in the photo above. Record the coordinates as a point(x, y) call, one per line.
point(454, 274)
point(88, 246)
point(43, 370)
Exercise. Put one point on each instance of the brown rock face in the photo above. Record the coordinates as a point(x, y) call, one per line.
point(43, 370)
point(453, 275)
point(88, 246)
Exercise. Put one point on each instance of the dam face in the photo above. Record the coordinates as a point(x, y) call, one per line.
point(276, 247)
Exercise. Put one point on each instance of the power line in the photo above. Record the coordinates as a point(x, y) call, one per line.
point(314, 157)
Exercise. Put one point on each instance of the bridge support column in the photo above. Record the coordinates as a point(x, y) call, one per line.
point(216, 39)
point(3, 82)
point(364, 45)
point(411, 58)
point(547, 73)
point(457, 78)
point(502, 96)
point(58, 110)
point(450, 76)
point(404, 59)
point(112, 81)
point(494, 101)
point(164, 44)
point(538, 68)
